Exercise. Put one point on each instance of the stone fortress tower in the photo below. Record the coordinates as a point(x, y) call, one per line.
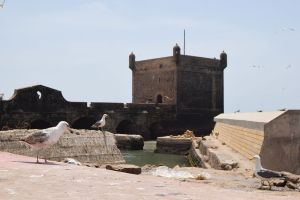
point(195, 85)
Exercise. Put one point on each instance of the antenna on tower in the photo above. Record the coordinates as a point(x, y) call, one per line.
point(183, 41)
point(2, 5)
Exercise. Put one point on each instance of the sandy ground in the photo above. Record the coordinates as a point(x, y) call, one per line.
point(21, 178)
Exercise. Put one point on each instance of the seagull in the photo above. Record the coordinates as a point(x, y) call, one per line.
point(45, 138)
point(101, 123)
point(265, 174)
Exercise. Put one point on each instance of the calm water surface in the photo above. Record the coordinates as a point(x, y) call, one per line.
point(147, 156)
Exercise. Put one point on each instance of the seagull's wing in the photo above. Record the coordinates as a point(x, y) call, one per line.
point(97, 124)
point(269, 174)
point(37, 137)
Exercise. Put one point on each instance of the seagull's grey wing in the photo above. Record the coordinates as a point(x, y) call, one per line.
point(269, 174)
point(37, 137)
point(96, 125)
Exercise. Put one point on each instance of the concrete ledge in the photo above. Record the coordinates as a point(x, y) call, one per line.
point(217, 157)
point(172, 145)
point(86, 146)
point(133, 142)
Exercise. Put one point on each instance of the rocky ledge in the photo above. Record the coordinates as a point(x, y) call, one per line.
point(86, 146)
point(133, 142)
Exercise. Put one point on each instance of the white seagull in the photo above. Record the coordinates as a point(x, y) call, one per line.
point(45, 138)
point(101, 123)
point(265, 174)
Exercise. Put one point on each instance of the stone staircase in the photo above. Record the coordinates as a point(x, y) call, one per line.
point(208, 152)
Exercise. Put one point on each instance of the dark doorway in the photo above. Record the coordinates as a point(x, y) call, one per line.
point(83, 123)
point(156, 130)
point(127, 127)
point(39, 124)
point(159, 99)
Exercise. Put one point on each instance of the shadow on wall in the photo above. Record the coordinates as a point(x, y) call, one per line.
point(83, 123)
point(39, 124)
point(127, 127)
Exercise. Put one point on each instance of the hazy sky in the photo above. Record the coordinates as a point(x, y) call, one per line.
point(81, 47)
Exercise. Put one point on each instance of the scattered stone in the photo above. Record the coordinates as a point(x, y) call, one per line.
point(291, 185)
point(226, 167)
point(148, 167)
point(279, 183)
point(229, 165)
point(291, 177)
point(206, 158)
point(186, 134)
point(127, 168)
point(203, 176)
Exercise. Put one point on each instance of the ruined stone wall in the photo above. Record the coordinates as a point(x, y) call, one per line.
point(38, 107)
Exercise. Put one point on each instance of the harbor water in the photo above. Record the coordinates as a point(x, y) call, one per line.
point(147, 156)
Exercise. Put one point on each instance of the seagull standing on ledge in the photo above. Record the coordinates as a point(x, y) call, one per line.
point(101, 123)
point(45, 138)
point(265, 174)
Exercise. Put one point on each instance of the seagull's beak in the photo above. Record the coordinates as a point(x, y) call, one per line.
point(69, 129)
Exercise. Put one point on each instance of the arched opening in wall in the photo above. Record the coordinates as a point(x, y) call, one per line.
point(127, 127)
point(83, 123)
point(39, 124)
point(156, 130)
point(159, 99)
point(164, 128)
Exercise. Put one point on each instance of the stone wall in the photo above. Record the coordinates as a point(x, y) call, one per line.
point(87, 146)
point(200, 84)
point(281, 147)
point(173, 145)
point(154, 77)
point(246, 141)
point(275, 136)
